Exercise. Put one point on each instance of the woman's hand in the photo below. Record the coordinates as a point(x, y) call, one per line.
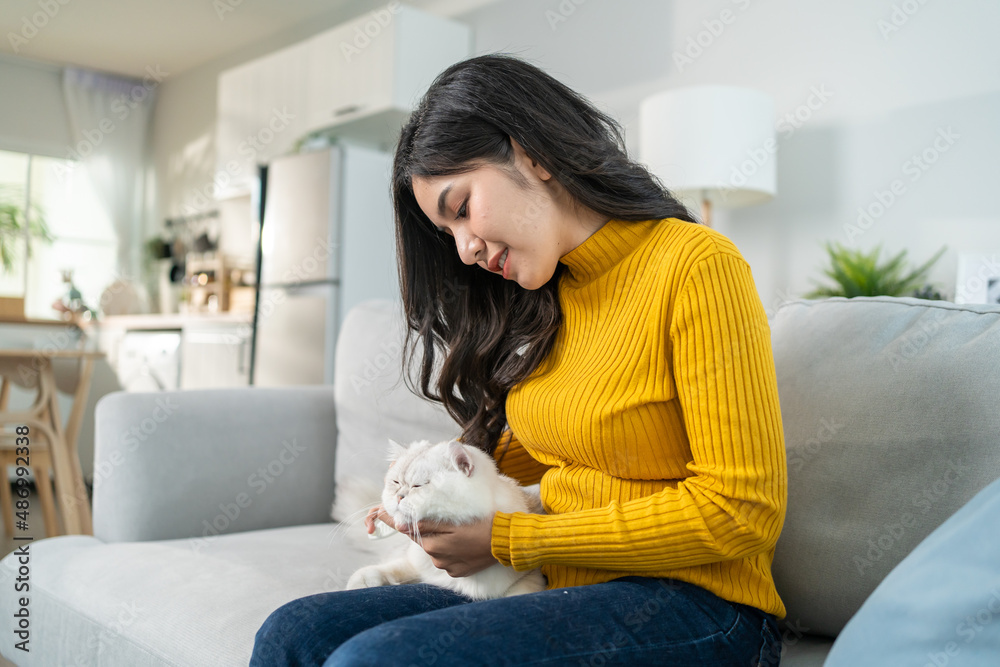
point(458, 549)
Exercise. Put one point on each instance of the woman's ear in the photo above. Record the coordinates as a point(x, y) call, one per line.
point(529, 161)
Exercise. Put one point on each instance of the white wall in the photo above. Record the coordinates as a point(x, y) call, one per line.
point(184, 130)
point(889, 96)
point(890, 92)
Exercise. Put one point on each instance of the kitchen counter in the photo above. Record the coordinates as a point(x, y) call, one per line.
point(33, 321)
point(170, 351)
point(167, 320)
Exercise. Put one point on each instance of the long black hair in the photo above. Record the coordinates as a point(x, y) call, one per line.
point(491, 333)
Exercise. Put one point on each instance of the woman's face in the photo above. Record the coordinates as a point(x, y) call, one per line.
point(488, 214)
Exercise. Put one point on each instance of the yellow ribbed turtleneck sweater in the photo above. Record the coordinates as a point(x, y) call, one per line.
point(653, 425)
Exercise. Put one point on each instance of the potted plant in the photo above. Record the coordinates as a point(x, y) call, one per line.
point(856, 273)
point(161, 266)
point(12, 224)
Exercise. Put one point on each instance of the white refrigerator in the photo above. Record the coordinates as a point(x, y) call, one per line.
point(326, 243)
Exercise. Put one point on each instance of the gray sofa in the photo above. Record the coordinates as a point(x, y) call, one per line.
point(213, 507)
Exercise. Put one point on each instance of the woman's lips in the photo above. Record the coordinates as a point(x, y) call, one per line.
point(506, 265)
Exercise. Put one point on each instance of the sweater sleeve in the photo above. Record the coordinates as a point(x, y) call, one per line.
point(733, 503)
point(514, 460)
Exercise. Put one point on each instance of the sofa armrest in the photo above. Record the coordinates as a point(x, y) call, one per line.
point(198, 463)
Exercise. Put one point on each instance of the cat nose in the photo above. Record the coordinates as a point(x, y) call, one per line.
point(400, 496)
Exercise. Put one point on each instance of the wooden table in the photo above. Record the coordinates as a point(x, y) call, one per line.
point(33, 368)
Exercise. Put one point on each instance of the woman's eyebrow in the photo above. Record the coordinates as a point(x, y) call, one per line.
point(441, 198)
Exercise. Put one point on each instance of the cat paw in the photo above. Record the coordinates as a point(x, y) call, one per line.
point(532, 583)
point(367, 577)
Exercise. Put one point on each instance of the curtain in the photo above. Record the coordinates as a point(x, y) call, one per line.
point(109, 124)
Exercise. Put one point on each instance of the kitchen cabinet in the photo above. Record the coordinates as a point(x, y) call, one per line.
point(150, 360)
point(215, 355)
point(362, 77)
point(177, 351)
point(368, 74)
point(261, 113)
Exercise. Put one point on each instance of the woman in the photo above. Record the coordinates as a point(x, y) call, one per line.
point(598, 340)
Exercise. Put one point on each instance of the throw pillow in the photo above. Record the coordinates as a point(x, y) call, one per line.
point(939, 607)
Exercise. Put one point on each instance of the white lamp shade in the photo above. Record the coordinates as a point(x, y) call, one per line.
point(711, 142)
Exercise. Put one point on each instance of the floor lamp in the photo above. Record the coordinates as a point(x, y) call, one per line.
point(712, 144)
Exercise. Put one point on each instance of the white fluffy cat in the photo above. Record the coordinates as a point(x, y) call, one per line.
point(454, 483)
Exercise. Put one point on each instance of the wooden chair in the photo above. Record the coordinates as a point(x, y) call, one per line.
point(51, 450)
point(40, 443)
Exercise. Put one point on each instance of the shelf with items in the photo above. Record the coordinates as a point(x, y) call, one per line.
point(217, 283)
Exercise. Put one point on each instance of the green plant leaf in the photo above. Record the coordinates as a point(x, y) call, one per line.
point(856, 273)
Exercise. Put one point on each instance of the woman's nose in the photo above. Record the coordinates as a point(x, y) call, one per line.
point(471, 248)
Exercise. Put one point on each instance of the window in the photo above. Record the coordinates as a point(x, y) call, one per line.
point(83, 240)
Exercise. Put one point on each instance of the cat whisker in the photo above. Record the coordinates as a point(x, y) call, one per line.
point(434, 482)
point(416, 534)
point(350, 522)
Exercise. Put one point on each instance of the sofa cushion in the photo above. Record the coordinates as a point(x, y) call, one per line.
point(195, 602)
point(941, 605)
point(890, 420)
point(374, 404)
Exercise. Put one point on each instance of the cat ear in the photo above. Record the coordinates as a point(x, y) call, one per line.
point(460, 458)
point(396, 451)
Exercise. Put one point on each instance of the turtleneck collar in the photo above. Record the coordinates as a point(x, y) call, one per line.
point(605, 248)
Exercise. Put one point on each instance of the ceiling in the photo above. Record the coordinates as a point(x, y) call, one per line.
point(127, 36)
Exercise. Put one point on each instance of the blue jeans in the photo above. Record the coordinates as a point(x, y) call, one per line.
point(627, 621)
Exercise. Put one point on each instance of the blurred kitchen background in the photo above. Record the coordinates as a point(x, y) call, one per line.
point(204, 186)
